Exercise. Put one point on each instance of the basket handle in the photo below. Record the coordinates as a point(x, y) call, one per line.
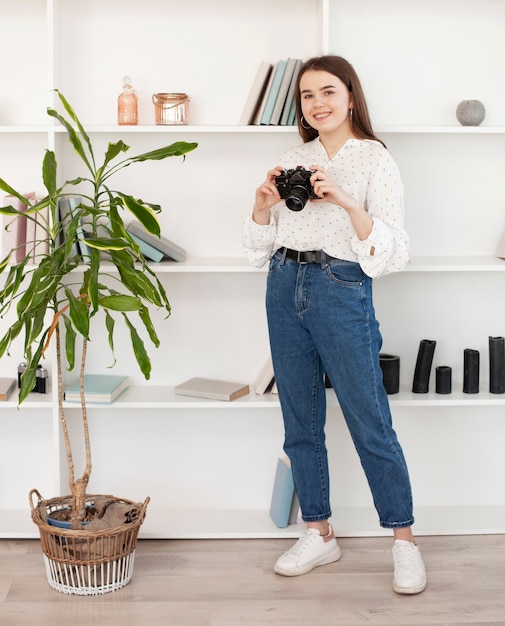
point(32, 493)
point(143, 508)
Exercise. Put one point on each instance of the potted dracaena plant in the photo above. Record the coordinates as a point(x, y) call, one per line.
point(56, 301)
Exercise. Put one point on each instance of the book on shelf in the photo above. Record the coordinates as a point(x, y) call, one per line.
point(284, 506)
point(273, 92)
point(37, 237)
point(280, 101)
point(289, 105)
point(98, 388)
point(292, 115)
point(256, 93)
point(265, 379)
point(212, 389)
point(14, 228)
point(162, 244)
point(7, 386)
point(259, 112)
point(73, 205)
point(64, 216)
point(149, 252)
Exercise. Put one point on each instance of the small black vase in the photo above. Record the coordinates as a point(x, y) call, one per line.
point(471, 373)
point(496, 365)
point(443, 379)
point(390, 364)
point(423, 366)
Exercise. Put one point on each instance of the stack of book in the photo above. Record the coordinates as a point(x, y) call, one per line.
point(152, 247)
point(24, 235)
point(271, 100)
point(67, 208)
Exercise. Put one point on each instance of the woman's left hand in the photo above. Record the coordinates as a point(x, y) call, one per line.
point(326, 189)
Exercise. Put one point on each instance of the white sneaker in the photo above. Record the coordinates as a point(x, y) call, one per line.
point(409, 571)
point(308, 552)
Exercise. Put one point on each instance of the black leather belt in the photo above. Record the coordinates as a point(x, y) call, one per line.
point(307, 256)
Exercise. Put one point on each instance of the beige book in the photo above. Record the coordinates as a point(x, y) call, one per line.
point(7, 386)
point(212, 389)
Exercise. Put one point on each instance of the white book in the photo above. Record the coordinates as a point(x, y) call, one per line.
point(257, 117)
point(265, 378)
point(256, 93)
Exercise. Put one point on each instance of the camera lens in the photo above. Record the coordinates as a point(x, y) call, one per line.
point(297, 198)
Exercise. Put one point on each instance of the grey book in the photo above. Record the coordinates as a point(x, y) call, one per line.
point(168, 248)
point(7, 386)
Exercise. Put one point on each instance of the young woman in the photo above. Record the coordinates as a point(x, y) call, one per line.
point(321, 318)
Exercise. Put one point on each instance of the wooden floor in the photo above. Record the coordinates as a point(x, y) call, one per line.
point(231, 583)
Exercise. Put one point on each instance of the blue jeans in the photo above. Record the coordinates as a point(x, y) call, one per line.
point(321, 319)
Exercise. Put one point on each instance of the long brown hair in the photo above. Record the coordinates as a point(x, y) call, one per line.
point(342, 69)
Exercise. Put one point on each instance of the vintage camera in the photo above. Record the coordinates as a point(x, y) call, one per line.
point(295, 188)
point(41, 378)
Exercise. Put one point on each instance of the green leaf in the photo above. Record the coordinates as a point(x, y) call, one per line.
point(146, 319)
point(120, 303)
point(179, 148)
point(9, 336)
point(114, 149)
point(107, 243)
point(79, 313)
point(29, 376)
point(73, 137)
point(49, 169)
point(70, 337)
point(139, 350)
point(143, 212)
point(110, 323)
point(93, 284)
point(8, 189)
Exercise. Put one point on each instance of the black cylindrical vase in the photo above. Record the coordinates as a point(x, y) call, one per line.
point(443, 379)
point(471, 366)
point(423, 366)
point(390, 364)
point(496, 365)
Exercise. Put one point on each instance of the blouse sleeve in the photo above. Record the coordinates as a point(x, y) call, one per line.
point(386, 249)
point(258, 240)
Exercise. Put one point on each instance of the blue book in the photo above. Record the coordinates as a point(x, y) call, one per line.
point(279, 70)
point(283, 92)
point(290, 98)
point(150, 252)
point(73, 205)
point(283, 495)
point(98, 388)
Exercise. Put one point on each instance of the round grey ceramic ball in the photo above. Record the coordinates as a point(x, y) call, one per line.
point(470, 112)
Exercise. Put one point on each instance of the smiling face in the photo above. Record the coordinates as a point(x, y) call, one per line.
point(325, 102)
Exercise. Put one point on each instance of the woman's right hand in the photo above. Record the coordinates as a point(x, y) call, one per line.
point(266, 196)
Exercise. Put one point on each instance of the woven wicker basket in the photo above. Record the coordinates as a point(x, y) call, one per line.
point(86, 562)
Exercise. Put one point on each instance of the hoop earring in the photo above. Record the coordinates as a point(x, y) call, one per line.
point(350, 114)
point(303, 125)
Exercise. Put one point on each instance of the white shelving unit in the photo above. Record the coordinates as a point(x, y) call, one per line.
point(209, 466)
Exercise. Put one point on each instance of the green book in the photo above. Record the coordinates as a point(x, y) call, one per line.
point(97, 388)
